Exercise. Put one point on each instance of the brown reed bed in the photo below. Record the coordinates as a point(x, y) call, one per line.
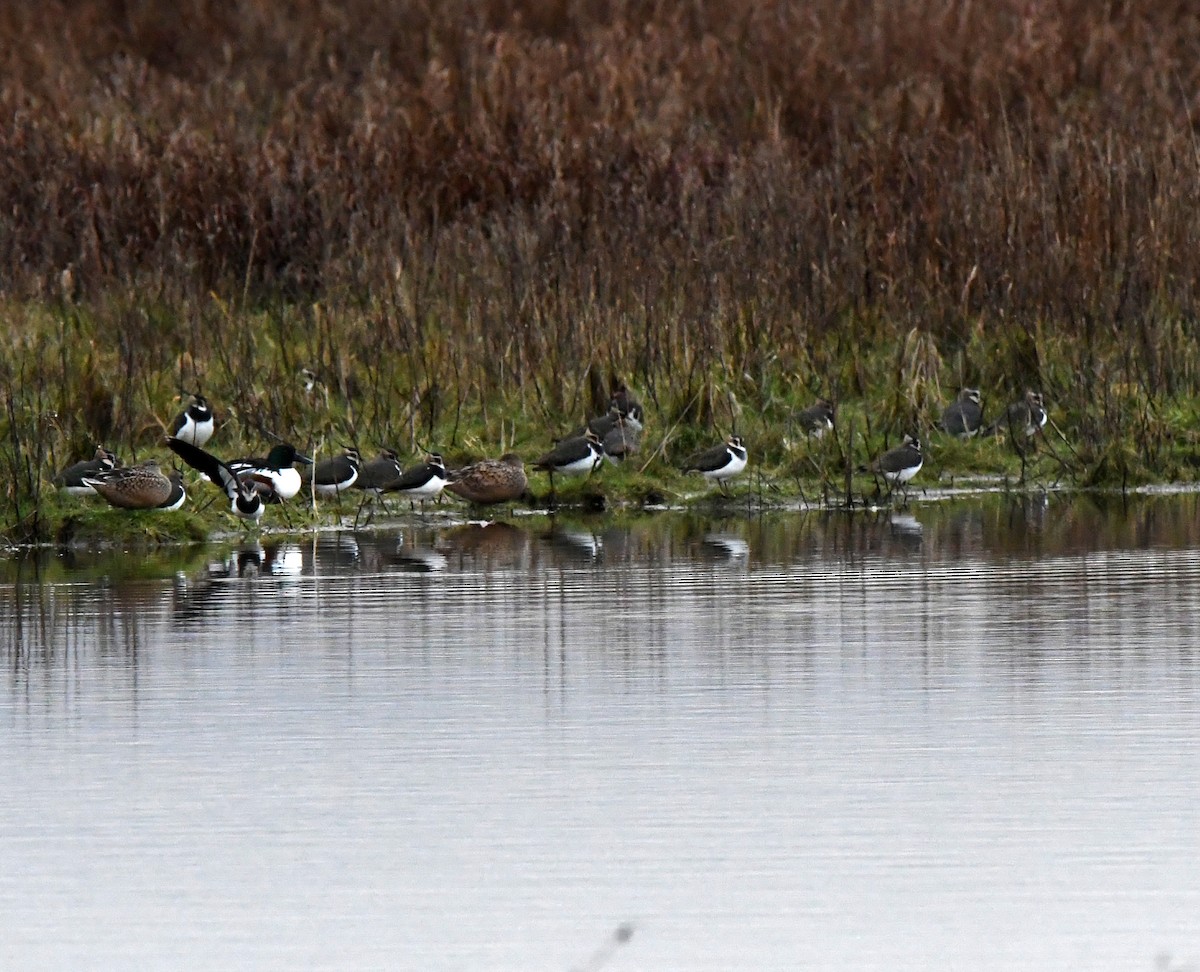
point(466, 218)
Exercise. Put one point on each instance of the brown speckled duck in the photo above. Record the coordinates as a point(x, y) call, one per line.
point(490, 480)
point(140, 487)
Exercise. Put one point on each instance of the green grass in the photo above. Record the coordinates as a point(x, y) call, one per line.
point(786, 466)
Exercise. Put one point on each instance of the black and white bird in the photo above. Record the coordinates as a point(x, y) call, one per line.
point(275, 475)
point(720, 463)
point(244, 497)
point(178, 495)
point(963, 416)
point(899, 465)
point(576, 456)
point(195, 423)
point(817, 419)
point(1028, 416)
point(373, 476)
point(332, 477)
point(423, 482)
point(613, 418)
point(72, 478)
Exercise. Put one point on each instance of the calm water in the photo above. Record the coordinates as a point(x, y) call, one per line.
point(967, 737)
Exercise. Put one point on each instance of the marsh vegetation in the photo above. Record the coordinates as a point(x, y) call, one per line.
point(456, 225)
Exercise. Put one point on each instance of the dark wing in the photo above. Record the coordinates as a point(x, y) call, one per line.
point(622, 441)
point(954, 419)
point(708, 460)
point(972, 415)
point(205, 462)
point(902, 457)
point(377, 474)
point(73, 474)
point(815, 416)
point(417, 476)
point(601, 424)
point(567, 451)
point(330, 472)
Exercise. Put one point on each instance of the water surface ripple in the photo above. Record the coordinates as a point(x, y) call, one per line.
point(965, 736)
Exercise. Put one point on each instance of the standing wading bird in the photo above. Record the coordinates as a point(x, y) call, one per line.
point(373, 476)
point(817, 419)
point(1024, 419)
point(72, 478)
point(423, 482)
point(963, 416)
point(490, 481)
point(1026, 416)
point(576, 456)
point(332, 477)
point(899, 465)
point(140, 487)
point(720, 463)
point(195, 423)
point(244, 497)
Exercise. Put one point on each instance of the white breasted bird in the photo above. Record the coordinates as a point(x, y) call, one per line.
point(423, 482)
point(332, 477)
point(195, 424)
point(963, 416)
point(720, 463)
point(899, 465)
point(72, 478)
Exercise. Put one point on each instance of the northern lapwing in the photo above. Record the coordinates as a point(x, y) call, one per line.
point(373, 476)
point(195, 423)
point(817, 419)
point(622, 441)
point(1028, 416)
point(244, 497)
point(576, 456)
point(178, 494)
point(140, 487)
point(603, 424)
point(332, 477)
point(897, 466)
point(423, 482)
point(490, 481)
point(963, 417)
point(720, 463)
point(275, 475)
point(72, 478)
point(623, 401)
